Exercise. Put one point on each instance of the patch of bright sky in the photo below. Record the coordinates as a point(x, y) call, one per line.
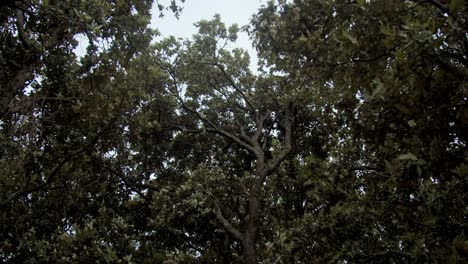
point(231, 11)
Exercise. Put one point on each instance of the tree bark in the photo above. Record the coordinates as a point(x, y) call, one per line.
point(249, 250)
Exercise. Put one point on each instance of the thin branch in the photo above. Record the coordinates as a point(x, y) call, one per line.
point(47, 182)
point(226, 97)
point(233, 84)
point(359, 60)
point(372, 170)
point(56, 170)
point(127, 183)
point(205, 120)
point(442, 7)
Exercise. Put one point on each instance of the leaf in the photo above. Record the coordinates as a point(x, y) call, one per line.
point(351, 38)
point(456, 5)
point(407, 156)
point(120, 3)
point(402, 108)
point(379, 88)
point(96, 29)
point(419, 170)
point(232, 32)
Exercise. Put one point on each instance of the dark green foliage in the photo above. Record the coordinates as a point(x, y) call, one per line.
point(349, 146)
point(391, 78)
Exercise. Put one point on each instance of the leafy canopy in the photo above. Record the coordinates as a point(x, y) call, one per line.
point(348, 145)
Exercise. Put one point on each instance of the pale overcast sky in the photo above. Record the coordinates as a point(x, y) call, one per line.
point(231, 11)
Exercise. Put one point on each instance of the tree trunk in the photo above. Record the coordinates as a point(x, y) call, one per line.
point(248, 247)
point(250, 236)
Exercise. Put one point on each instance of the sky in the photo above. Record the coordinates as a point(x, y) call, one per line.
point(231, 11)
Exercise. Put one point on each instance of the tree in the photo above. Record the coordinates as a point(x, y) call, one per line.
point(228, 102)
point(62, 118)
point(392, 91)
point(348, 146)
point(242, 129)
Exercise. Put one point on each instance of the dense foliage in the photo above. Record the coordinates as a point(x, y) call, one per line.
point(349, 145)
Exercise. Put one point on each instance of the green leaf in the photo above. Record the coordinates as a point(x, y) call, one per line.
point(419, 170)
point(407, 156)
point(351, 38)
point(456, 5)
point(232, 32)
point(120, 3)
point(378, 89)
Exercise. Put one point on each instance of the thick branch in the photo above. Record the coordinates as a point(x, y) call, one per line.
point(259, 122)
point(21, 34)
point(288, 123)
point(270, 128)
point(242, 132)
point(226, 224)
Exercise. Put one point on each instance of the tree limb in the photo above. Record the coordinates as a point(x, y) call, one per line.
point(21, 34)
point(259, 122)
point(288, 123)
point(226, 224)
